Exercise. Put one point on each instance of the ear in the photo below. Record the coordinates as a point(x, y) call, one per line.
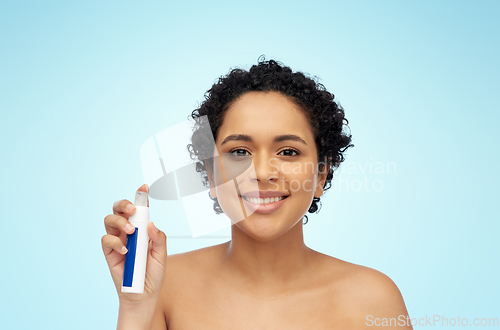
point(321, 181)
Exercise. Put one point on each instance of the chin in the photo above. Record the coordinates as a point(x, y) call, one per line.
point(263, 229)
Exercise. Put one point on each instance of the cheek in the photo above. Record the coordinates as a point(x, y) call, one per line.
point(229, 201)
point(291, 169)
point(227, 194)
point(309, 184)
point(300, 177)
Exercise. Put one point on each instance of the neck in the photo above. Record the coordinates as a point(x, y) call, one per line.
point(276, 263)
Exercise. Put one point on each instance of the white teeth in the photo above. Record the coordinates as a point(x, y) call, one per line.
point(263, 200)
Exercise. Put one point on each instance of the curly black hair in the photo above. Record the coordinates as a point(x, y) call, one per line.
point(325, 115)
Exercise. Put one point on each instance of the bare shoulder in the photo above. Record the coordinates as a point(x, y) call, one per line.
point(363, 293)
point(186, 272)
point(203, 257)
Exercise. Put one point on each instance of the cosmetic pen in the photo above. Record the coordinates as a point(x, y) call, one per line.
point(134, 272)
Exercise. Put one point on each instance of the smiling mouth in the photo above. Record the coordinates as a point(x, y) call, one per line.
point(264, 201)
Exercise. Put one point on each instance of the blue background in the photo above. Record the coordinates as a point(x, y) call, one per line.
point(83, 85)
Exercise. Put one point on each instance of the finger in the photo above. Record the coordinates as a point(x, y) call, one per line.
point(144, 188)
point(124, 208)
point(158, 243)
point(112, 243)
point(116, 224)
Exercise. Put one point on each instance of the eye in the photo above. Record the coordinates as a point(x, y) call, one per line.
point(241, 152)
point(233, 152)
point(291, 150)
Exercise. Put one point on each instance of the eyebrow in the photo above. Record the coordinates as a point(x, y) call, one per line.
point(277, 138)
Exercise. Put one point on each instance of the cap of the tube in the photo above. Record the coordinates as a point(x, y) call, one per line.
point(141, 198)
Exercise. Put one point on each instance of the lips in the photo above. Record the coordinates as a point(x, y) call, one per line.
point(264, 199)
point(264, 208)
point(264, 194)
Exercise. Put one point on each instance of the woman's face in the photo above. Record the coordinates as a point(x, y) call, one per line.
point(286, 166)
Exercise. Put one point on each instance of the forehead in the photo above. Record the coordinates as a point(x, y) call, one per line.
point(264, 115)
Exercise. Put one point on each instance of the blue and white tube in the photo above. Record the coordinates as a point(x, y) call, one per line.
point(134, 273)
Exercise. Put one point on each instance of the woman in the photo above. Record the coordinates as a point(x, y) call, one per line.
point(265, 277)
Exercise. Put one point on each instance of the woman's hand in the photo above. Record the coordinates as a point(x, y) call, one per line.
point(113, 246)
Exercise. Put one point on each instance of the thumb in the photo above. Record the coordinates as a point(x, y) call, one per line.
point(158, 243)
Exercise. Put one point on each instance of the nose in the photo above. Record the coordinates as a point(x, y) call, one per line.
point(266, 168)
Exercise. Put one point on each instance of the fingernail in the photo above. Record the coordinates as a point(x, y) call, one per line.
point(129, 227)
point(156, 229)
point(124, 249)
point(130, 208)
point(147, 187)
